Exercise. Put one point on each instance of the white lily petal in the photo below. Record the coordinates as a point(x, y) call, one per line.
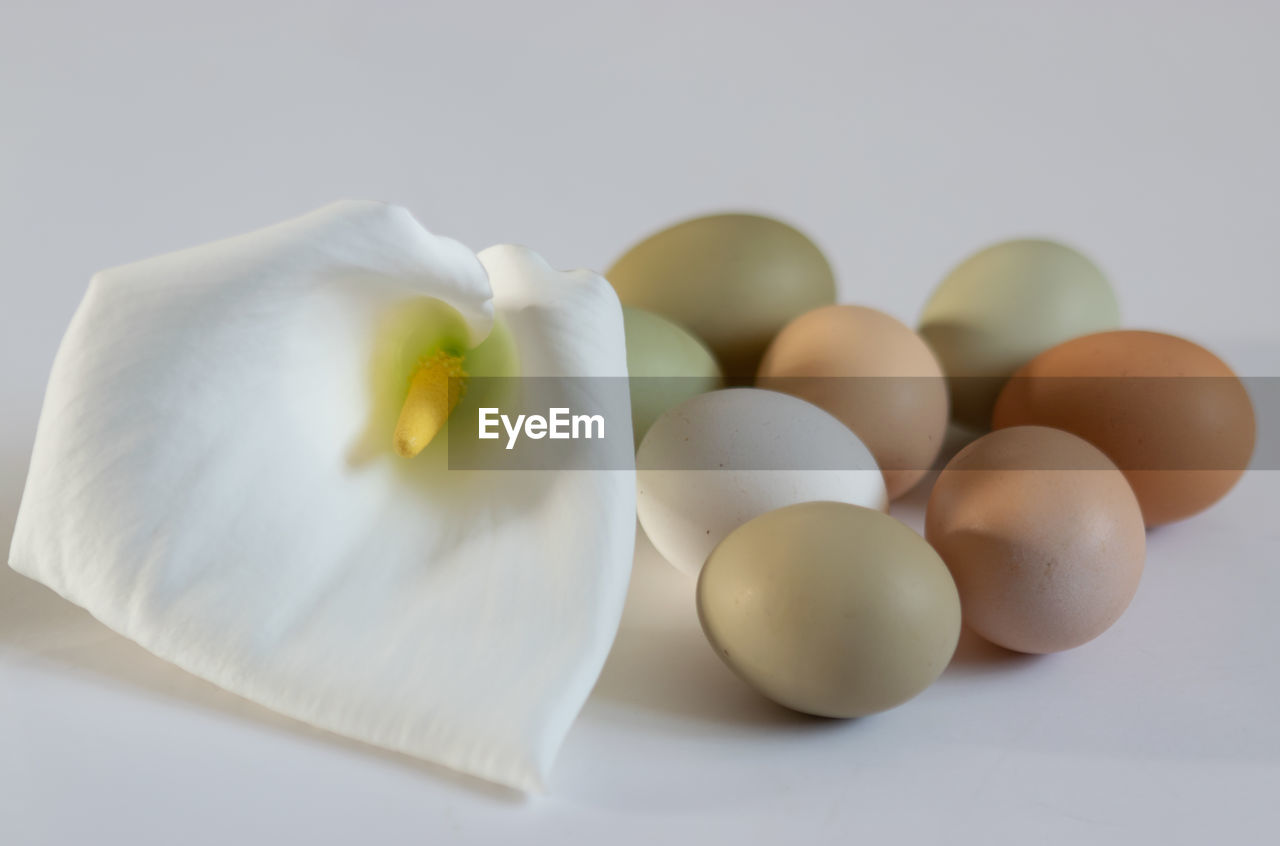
point(197, 485)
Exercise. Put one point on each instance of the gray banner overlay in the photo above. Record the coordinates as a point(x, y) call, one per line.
point(583, 423)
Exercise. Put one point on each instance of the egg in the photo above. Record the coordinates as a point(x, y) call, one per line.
point(872, 372)
point(1171, 414)
point(1043, 536)
point(1004, 305)
point(733, 280)
point(718, 459)
point(666, 366)
point(830, 609)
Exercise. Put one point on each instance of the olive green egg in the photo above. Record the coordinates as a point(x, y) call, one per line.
point(830, 609)
point(666, 366)
point(1003, 306)
point(733, 280)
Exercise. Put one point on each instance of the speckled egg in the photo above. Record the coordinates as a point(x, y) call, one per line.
point(721, 458)
point(1043, 536)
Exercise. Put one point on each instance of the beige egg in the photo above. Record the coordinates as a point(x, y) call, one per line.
point(830, 609)
point(1043, 535)
point(873, 373)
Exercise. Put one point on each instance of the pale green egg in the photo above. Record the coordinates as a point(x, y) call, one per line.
point(1003, 306)
point(667, 365)
point(733, 280)
point(830, 608)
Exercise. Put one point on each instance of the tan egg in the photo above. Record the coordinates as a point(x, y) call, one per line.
point(829, 608)
point(733, 280)
point(1043, 536)
point(1171, 414)
point(873, 373)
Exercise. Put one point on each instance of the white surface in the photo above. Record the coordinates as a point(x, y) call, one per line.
point(902, 136)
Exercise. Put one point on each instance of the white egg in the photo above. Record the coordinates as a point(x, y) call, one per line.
point(721, 458)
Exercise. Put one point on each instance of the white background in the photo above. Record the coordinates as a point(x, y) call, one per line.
point(901, 136)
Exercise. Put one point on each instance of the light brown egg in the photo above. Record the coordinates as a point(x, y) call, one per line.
point(1168, 412)
point(1042, 534)
point(872, 372)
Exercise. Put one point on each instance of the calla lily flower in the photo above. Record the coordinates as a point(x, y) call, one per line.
point(241, 465)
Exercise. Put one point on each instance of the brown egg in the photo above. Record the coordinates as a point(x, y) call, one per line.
point(1042, 534)
point(872, 372)
point(1168, 412)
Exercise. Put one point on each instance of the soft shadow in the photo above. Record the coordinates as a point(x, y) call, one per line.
point(29, 613)
point(976, 656)
point(44, 627)
point(911, 506)
point(68, 636)
point(661, 662)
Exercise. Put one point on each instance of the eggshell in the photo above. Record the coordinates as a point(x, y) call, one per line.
point(733, 280)
point(830, 609)
point(1043, 536)
point(666, 365)
point(718, 459)
point(1004, 305)
point(873, 373)
point(1171, 414)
